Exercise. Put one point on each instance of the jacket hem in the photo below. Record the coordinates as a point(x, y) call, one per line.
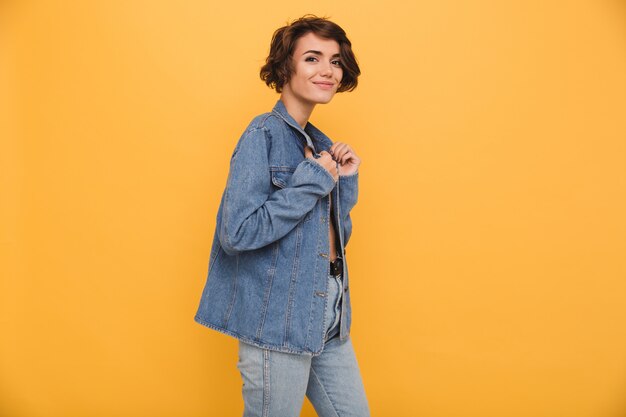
point(256, 343)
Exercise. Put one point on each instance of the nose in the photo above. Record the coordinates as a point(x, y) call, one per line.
point(327, 70)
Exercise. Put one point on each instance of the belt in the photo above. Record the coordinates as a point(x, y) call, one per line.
point(336, 267)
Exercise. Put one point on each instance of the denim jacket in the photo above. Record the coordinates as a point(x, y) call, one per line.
point(269, 263)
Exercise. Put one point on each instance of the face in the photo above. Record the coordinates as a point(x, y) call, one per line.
point(317, 70)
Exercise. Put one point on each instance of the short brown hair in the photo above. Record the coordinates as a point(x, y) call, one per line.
point(278, 67)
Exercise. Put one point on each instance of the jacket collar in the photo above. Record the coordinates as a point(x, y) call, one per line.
point(308, 131)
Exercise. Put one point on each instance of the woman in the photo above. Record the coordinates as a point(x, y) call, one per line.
point(278, 278)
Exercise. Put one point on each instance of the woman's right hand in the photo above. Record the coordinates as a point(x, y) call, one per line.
point(325, 160)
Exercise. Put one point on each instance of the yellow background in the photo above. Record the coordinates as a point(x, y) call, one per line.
point(488, 258)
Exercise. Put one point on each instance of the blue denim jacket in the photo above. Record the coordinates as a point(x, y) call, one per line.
point(269, 263)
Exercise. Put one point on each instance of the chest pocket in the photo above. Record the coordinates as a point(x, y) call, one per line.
point(281, 178)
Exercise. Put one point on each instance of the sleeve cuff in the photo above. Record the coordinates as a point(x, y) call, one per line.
point(311, 171)
point(354, 174)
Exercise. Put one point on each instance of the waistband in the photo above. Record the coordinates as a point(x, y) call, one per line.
point(336, 267)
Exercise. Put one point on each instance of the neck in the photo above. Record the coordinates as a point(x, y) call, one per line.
point(299, 110)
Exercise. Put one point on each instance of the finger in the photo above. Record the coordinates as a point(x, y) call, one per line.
point(328, 164)
point(346, 157)
point(349, 155)
point(338, 149)
point(326, 155)
point(335, 146)
point(341, 150)
point(308, 153)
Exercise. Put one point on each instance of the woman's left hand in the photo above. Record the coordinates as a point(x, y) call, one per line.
point(347, 160)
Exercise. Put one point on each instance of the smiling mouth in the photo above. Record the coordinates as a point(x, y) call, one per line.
point(324, 85)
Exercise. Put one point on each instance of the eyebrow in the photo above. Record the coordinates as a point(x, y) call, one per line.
point(320, 53)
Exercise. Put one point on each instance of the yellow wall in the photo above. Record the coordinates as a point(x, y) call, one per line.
point(488, 255)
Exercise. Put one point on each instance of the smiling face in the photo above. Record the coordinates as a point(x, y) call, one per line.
point(317, 70)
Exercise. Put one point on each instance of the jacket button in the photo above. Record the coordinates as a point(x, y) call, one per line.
point(324, 255)
point(345, 289)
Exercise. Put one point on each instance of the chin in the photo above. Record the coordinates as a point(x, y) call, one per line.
point(323, 99)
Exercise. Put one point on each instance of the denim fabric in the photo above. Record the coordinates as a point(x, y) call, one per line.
point(267, 277)
point(274, 383)
point(332, 313)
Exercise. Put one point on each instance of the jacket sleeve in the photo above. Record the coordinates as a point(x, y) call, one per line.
point(254, 214)
point(348, 196)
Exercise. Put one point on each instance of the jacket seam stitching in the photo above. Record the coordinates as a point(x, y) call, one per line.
point(292, 283)
point(233, 300)
point(268, 292)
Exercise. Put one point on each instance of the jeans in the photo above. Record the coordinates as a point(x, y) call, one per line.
point(275, 383)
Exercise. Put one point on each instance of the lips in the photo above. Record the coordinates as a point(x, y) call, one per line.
point(325, 85)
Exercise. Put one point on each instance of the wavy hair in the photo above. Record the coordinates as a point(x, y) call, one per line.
point(278, 65)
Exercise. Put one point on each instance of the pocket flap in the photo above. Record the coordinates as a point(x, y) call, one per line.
point(281, 179)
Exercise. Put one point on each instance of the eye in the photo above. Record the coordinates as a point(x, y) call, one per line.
point(310, 59)
point(336, 62)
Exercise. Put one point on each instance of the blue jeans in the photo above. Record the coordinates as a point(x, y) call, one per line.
point(275, 383)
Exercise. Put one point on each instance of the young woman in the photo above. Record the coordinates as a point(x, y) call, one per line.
point(278, 278)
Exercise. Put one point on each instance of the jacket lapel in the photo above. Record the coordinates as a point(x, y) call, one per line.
point(308, 131)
